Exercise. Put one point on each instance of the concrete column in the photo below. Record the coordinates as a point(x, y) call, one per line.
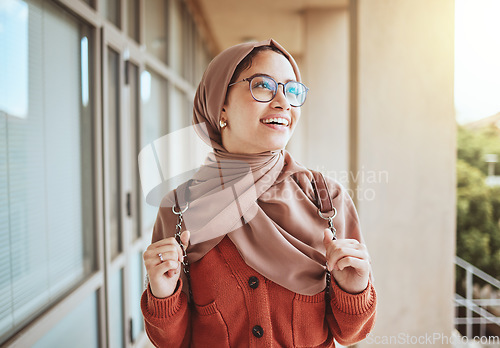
point(321, 139)
point(403, 153)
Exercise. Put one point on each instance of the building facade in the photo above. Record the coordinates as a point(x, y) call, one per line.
point(86, 84)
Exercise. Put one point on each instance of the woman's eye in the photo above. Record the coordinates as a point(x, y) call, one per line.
point(295, 90)
point(263, 84)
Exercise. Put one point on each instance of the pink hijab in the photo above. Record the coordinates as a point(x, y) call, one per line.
point(263, 202)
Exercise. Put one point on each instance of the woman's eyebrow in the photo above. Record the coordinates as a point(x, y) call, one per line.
point(262, 74)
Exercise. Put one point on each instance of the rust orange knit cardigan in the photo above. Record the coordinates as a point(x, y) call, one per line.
point(234, 306)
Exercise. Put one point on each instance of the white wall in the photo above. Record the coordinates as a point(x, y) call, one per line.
point(381, 109)
point(406, 128)
point(321, 139)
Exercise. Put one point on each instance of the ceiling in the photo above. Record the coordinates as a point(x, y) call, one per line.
point(231, 22)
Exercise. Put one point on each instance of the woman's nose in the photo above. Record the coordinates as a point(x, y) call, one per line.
point(280, 98)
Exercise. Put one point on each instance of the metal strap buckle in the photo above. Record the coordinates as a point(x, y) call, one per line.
point(330, 221)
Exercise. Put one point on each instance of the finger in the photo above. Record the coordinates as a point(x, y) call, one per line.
point(185, 236)
point(175, 249)
point(327, 236)
point(333, 255)
point(159, 247)
point(163, 242)
point(152, 253)
point(349, 243)
point(167, 268)
point(167, 255)
point(170, 252)
point(173, 272)
point(361, 266)
point(343, 246)
point(175, 245)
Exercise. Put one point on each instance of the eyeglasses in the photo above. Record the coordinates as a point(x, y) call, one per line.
point(264, 88)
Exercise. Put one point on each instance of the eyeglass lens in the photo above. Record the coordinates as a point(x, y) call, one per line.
point(264, 89)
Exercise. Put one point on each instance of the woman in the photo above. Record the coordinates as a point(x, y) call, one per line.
point(256, 245)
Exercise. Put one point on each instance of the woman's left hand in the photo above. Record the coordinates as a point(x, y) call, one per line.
point(348, 261)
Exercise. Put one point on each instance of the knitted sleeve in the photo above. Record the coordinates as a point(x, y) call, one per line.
point(353, 315)
point(167, 320)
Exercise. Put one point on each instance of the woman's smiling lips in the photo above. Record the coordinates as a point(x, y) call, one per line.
point(278, 122)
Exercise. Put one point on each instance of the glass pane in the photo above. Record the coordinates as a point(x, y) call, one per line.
point(189, 46)
point(134, 89)
point(176, 58)
point(136, 288)
point(46, 171)
point(156, 28)
point(67, 132)
point(177, 108)
point(112, 11)
point(112, 160)
point(90, 3)
point(13, 101)
point(201, 59)
point(6, 312)
point(115, 297)
point(153, 125)
point(133, 19)
point(87, 143)
point(189, 104)
point(78, 329)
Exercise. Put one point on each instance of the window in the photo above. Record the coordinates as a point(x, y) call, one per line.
point(73, 218)
point(156, 28)
point(153, 125)
point(46, 159)
point(113, 154)
point(112, 11)
point(80, 325)
point(133, 19)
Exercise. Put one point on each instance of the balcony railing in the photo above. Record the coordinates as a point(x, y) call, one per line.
point(476, 311)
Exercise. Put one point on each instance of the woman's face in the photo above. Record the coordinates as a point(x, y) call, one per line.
point(246, 133)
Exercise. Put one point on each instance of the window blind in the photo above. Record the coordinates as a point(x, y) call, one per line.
point(44, 193)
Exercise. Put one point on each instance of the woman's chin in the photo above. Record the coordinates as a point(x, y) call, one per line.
point(272, 147)
point(276, 144)
point(263, 147)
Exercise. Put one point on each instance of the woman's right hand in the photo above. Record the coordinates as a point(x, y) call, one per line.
point(163, 275)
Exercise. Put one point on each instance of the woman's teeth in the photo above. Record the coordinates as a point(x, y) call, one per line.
point(278, 120)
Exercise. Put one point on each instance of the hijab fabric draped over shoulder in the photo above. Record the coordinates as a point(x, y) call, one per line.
point(263, 202)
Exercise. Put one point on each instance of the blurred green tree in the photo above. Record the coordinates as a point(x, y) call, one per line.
point(478, 205)
point(473, 145)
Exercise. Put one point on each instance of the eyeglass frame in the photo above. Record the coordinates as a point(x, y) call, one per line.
point(249, 79)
